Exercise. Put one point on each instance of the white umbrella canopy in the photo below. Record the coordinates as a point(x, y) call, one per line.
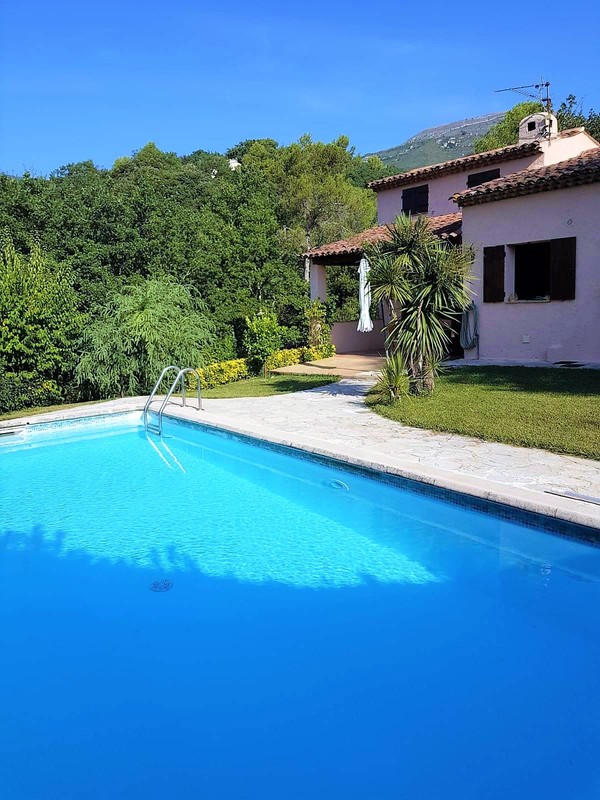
point(365, 323)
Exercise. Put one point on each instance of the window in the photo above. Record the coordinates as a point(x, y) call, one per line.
point(542, 271)
point(532, 271)
point(531, 126)
point(416, 200)
point(545, 270)
point(477, 178)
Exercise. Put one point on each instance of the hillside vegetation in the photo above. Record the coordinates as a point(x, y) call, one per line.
point(107, 273)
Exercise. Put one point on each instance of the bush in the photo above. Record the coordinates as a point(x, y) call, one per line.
point(222, 372)
point(285, 358)
point(299, 355)
point(263, 337)
point(27, 390)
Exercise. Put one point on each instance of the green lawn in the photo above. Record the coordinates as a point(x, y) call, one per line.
point(29, 412)
point(555, 409)
point(251, 387)
point(263, 387)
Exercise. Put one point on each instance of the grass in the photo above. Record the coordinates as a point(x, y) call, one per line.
point(265, 387)
point(29, 412)
point(554, 409)
point(250, 387)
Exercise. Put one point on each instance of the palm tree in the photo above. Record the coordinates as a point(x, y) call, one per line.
point(422, 280)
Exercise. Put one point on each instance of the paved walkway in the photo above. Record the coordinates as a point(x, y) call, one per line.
point(345, 365)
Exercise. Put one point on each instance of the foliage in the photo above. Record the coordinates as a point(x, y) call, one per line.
point(263, 336)
point(39, 321)
point(223, 372)
point(570, 114)
point(555, 409)
point(392, 382)
point(506, 131)
point(143, 328)
point(299, 355)
point(422, 280)
point(25, 389)
point(318, 331)
point(317, 353)
point(231, 236)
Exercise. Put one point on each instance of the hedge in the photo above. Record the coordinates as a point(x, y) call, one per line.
point(27, 390)
point(299, 355)
point(223, 372)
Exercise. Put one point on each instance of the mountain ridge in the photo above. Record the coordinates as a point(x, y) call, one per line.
point(439, 143)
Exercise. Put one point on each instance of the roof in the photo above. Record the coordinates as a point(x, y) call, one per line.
point(577, 171)
point(446, 226)
point(509, 153)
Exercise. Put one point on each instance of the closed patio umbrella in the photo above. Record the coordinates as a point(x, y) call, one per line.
point(364, 297)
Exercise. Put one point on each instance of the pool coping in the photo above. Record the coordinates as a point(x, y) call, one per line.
point(550, 506)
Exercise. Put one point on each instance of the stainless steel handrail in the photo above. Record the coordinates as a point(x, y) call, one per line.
point(154, 391)
point(180, 376)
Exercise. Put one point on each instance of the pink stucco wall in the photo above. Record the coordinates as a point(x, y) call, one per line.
point(389, 202)
point(557, 330)
point(566, 146)
point(348, 340)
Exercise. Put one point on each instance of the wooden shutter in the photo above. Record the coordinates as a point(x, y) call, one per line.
point(562, 269)
point(422, 193)
point(416, 200)
point(477, 178)
point(493, 274)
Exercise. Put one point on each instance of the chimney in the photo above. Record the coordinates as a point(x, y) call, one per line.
point(541, 125)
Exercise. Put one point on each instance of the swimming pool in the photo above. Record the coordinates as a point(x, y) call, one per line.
point(199, 617)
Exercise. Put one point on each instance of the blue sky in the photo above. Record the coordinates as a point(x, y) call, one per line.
point(97, 81)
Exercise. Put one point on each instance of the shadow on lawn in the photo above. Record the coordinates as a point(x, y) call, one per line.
point(526, 379)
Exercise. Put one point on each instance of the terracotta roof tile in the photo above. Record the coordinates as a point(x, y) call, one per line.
point(509, 153)
point(446, 226)
point(584, 168)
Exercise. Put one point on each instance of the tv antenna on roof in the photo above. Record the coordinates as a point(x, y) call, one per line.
point(543, 86)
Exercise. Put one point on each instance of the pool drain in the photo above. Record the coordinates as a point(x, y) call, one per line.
point(339, 485)
point(161, 586)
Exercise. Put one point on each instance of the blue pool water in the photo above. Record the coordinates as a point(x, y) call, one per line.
point(317, 642)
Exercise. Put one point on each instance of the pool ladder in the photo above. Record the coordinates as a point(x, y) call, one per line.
point(179, 377)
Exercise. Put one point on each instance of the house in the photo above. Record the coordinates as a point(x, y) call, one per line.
point(530, 211)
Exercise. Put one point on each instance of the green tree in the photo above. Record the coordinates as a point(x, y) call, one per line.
point(570, 114)
point(423, 281)
point(506, 132)
point(263, 337)
point(39, 320)
point(143, 328)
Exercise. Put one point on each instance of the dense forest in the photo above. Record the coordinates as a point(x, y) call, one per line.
point(107, 272)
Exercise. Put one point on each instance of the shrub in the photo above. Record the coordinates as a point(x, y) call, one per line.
point(318, 331)
point(392, 382)
point(285, 358)
point(263, 337)
point(222, 372)
point(27, 390)
point(298, 355)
